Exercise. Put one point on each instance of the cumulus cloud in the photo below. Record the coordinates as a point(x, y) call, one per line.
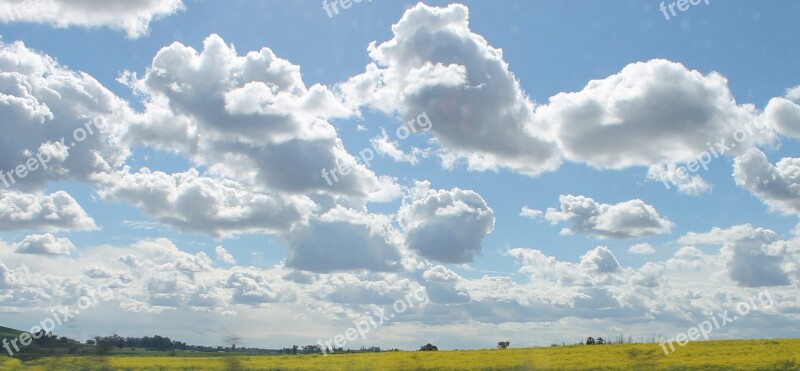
point(750, 260)
point(671, 175)
point(248, 118)
point(529, 213)
point(435, 64)
point(64, 120)
point(446, 226)
point(642, 248)
point(132, 17)
point(224, 256)
point(777, 185)
point(783, 114)
point(387, 147)
point(36, 212)
point(627, 219)
point(344, 239)
point(649, 113)
point(189, 201)
point(45, 244)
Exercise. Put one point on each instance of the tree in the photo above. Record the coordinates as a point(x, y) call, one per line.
point(590, 341)
point(429, 348)
point(600, 341)
point(503, 344)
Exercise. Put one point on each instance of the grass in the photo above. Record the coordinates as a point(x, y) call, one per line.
point(712, 355)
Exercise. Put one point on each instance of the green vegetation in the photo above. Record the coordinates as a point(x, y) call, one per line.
point(699, 355)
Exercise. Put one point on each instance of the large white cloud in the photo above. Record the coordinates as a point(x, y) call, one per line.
point(651, 113)
point(133, 17)
point(45, 244)
point(248, 118)
point(38, 212)
point(447, 226)
point(628, 219)
point(59, 123)
point(783, 114)
point(189, 201)
point(435, 65)
point(777, 185)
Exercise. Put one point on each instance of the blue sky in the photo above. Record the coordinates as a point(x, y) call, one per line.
point(521, 128)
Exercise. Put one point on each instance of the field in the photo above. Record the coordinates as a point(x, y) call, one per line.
point(711, 355)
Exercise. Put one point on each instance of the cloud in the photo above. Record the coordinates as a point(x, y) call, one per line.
point(224, 257)
point(670, 174)
point(446, 226)
point(654, 112)
point(783, 114)
point(642, 248)
point(529, 213)
point(628, 219)
point(132, 17)
point(36, 212)
point(435, 64)
point(45, 244)
point(600, 260)
point(777, 185)
point(344, 239)
point(746, 250)
point(191, 202)
point(387, 147)
point(65, 120)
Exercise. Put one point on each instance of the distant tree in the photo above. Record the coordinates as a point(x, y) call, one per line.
point(503, 344)
point(600, 341)
point(590, 341)
point(294, 349)
point(429, 348)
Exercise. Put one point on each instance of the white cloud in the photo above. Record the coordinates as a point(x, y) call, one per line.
point(642, 248)
point(529, 213)
point(43, 103)
point(777, 185)
point(45, 244)
point(224, 256)
point(133, 17)
point(628, 219)
point(435, 64)
point(446, 226)
point(36, 212)
point(390, 148)
point(196, 203)
point(649, 113)
point(247, 118)
point(670, 175)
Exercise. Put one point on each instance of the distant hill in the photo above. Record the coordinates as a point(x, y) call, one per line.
point(9, 333)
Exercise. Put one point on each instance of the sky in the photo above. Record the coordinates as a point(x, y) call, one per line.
point(275, 172)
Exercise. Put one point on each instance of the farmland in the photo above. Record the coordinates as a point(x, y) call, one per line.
point(711, 355)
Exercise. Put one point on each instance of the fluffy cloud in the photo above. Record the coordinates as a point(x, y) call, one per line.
point(783, 114)
point(133, 17)
point(45, 244)
point(649, 113)
point(192, 202)
point(751, 261)
point(642, 248)
point(344, 239)
point(67, 121)
point(435, 64)
point(529, 213)
point(670, 174)
point(447, 226)
point(776, 185)
point(35, 212)
point(224, 256)
point(628, 219)
point(248, 118)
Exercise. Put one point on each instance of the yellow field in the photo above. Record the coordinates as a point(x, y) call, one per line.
point(712, 355)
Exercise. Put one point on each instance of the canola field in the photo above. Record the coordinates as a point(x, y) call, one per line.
point(712, 355)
